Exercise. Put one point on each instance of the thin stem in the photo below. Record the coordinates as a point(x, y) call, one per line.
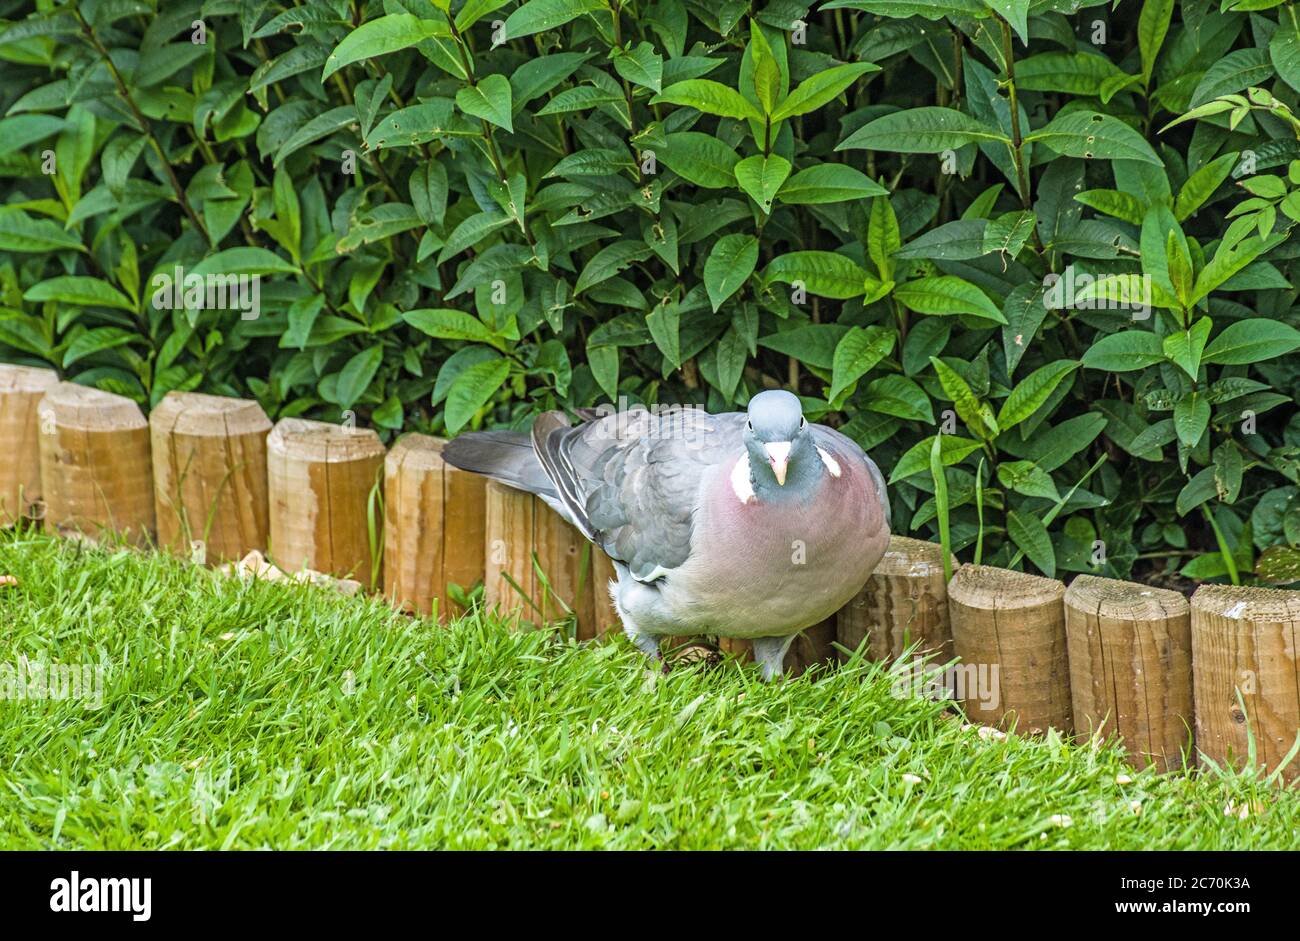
point(900, 315)
point(1017, 138)
point(145, 127)
point(494, 155)
point(615, 9)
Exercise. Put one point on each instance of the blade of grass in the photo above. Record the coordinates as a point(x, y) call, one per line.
point(1224, 551)
point(941, 504)
point(375, 529)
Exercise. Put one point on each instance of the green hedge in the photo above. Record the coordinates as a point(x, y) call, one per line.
point(459, 217)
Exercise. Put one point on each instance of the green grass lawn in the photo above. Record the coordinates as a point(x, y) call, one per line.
point(249, 715)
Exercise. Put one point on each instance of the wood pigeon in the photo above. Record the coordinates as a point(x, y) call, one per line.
point(749, 524)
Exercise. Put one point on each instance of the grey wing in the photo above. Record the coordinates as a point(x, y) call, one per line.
point(631, 481)
point(842, 446)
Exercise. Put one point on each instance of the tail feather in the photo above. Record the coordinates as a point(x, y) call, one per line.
point(505, 456)
point(549, 435)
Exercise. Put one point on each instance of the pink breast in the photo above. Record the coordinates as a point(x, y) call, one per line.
point(793, 562)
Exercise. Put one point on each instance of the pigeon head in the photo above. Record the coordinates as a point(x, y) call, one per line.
point(779, 442)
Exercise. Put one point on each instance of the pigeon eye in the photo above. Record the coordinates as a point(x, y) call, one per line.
point(803, 422)
point(749, 425)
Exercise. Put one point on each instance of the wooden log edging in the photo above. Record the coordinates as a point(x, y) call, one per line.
point(1103, 651)
point(813, 647)
point(210, 477)
point(21, 391)
point(519, 526)
point(434, 526)
point(96, 472)
point(1008, 630)
point(904, 602)
point(1130, 667)
point(320, 477)
point(1244, 644)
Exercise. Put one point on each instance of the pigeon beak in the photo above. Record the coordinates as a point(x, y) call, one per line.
point(778, 455)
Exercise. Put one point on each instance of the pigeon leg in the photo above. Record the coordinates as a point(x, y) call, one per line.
point(770, 654)
point(648, 644)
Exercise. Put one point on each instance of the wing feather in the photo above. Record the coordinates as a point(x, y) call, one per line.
point(632, 481)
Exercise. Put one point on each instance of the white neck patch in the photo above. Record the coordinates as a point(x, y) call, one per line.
point(832, 465)
point(740, 485)
point(744, 489)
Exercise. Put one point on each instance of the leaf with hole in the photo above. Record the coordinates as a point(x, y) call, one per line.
point(1094, 136)
point(761, 177)
point(641, 65)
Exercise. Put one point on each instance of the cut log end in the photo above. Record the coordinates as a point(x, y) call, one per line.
point(83, 408)
point(988, 588)
point(1241, 603)
point(416, 453)
point(1126, 601)
point(30, 379)
point(201, 415)
point(323, 443)
point(913, 558)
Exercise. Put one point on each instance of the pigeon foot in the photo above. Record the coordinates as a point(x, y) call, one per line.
point(648, 644)
point(769, 652)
